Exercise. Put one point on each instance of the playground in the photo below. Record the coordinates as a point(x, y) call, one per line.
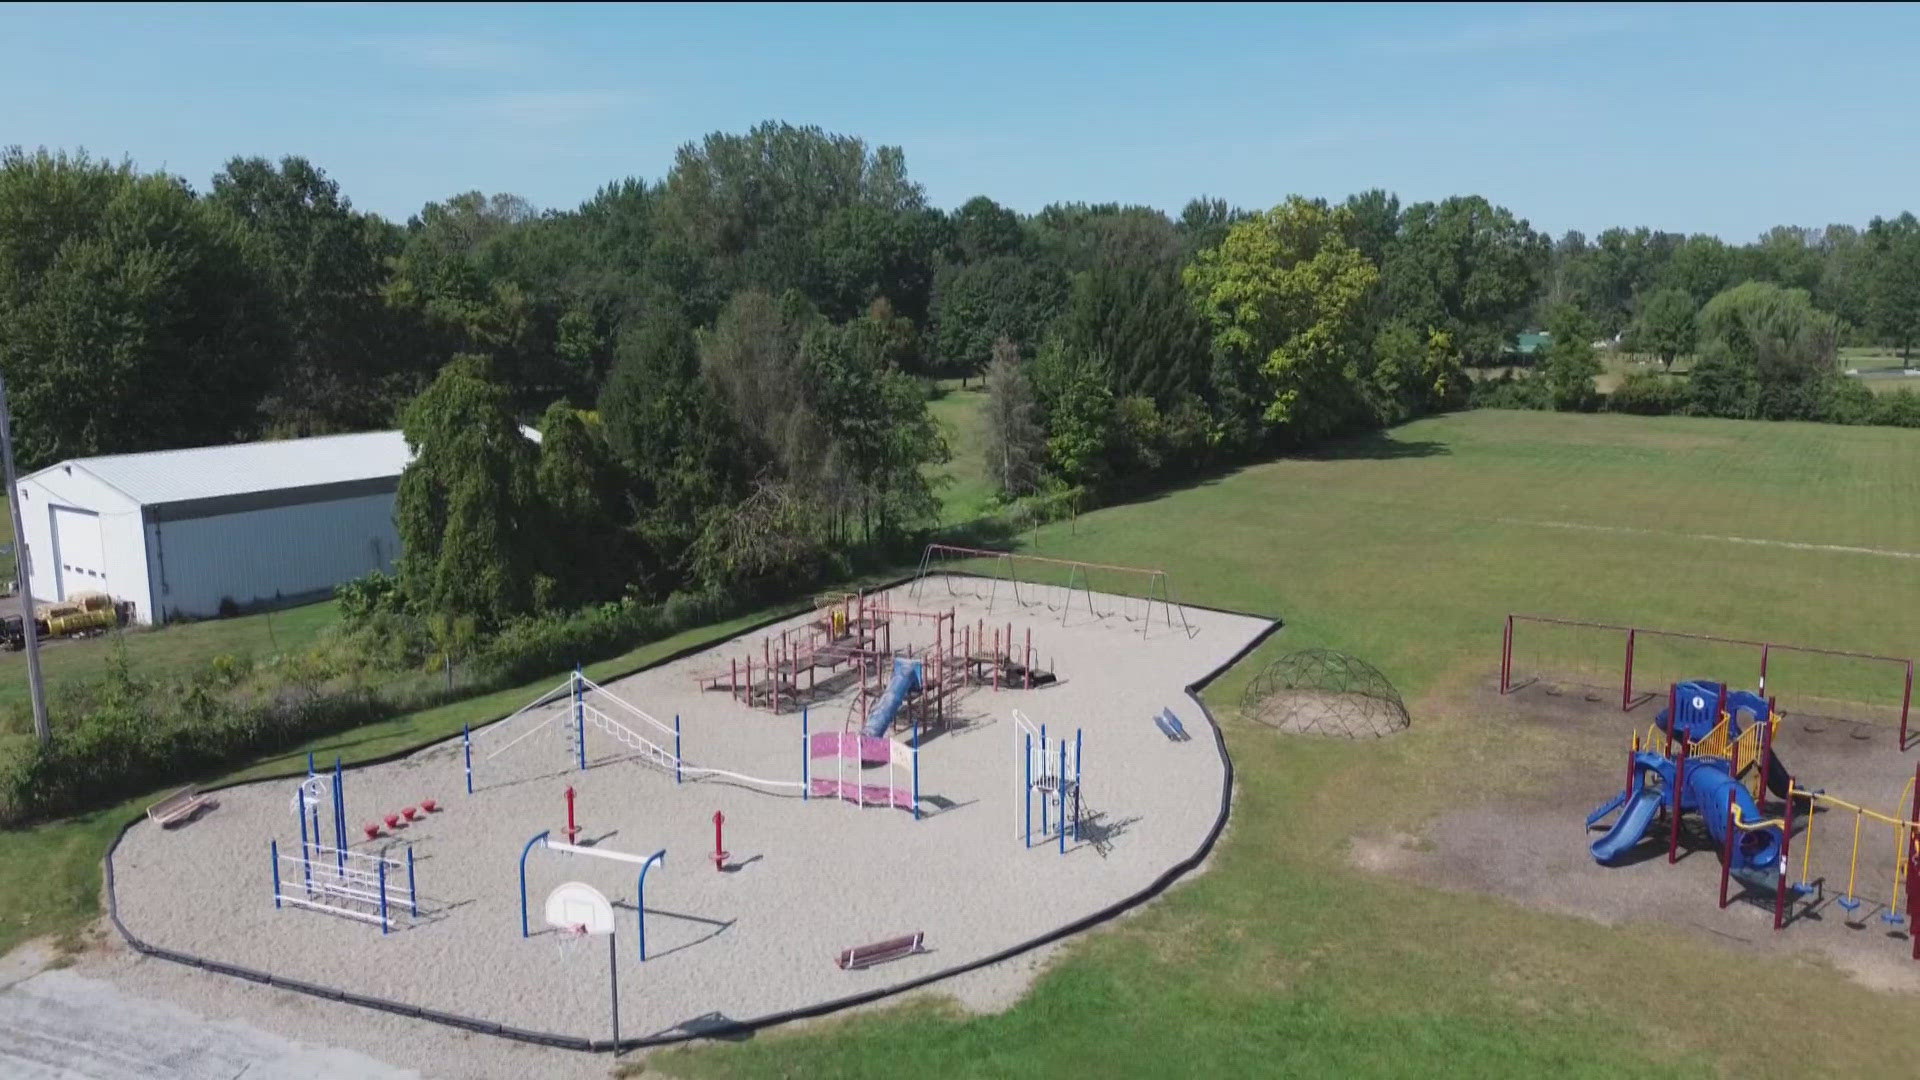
point(1525, 841)
point(970, 771)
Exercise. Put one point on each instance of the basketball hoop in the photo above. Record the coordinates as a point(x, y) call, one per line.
point(577, 912)
point(569, 938)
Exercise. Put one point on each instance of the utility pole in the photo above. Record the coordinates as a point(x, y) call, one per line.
point(23, 567)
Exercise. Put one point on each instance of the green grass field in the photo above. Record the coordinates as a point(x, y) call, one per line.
point(962, 481)
point(168, 650)
point(1406, 549)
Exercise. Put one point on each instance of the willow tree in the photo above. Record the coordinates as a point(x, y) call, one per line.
point(466, 507)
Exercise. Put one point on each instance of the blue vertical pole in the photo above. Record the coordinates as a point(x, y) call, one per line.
point(413, 896)
point(1026, 786)
point(1060, 785)
point(523, 879)
point(273, 852)
point(306, 866)
point(916, 767)
point(806, 760)
point(466, 749)
point(382, 865)
point(1077, 733)
point(579, 720)
point(640, 897)
point(676, 748)
point(339, 816)
point(1043, 777)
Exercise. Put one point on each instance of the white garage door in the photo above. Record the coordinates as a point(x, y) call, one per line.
point(78, 552)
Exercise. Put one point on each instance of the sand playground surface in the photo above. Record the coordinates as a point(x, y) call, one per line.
point(806, 878)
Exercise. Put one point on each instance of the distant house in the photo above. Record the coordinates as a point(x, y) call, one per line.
point(185, 533)
point(1531, 342)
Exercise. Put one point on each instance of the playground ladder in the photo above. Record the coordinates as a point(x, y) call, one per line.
point(631, 739)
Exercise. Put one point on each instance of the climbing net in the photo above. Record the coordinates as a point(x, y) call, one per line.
point(1322, 692)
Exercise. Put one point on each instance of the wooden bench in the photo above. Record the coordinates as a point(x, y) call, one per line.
point(861, 956)
point(180, 806)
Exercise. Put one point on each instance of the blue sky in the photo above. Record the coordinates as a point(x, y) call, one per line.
point(1724, 119)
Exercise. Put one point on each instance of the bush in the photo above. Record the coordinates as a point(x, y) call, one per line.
point(122, 735)
point(1647, 393)
point(1846, 401)
point(1898, 409)
point(1511, 392)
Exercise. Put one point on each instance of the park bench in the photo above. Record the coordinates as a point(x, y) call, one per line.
point(880, 952)
point(180, 806)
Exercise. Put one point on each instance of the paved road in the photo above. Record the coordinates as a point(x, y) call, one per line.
point(59, 1024)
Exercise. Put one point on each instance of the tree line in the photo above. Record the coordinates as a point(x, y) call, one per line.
point(730, 366)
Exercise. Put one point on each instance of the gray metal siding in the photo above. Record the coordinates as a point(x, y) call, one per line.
point(261, 555)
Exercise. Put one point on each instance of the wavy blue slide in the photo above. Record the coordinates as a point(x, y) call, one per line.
point(1630, 828)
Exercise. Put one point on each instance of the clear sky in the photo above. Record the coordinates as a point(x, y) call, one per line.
point(1718, 119)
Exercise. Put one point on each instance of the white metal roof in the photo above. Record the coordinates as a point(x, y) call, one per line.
point(201, 472)
point(156, 477)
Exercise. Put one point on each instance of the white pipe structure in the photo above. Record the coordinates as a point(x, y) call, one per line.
point(351, 877)
point(547, 698)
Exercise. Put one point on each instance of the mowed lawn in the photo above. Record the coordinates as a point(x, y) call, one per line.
point(1407, 549)
point(169, 650)
point(962, 481)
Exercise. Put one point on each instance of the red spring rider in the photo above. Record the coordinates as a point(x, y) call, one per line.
point(720, 854)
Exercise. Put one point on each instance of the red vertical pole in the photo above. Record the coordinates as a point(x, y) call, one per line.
point(1626, 684)
point(773, 684)
point(1726, 853)
point(1027, 660)
point(1506, 656)
point(573, 831)
point(1720, 710)
point(1913, 890)
point(996, 658)
point(1786, 846)
point(1766, 756)
point(1913, 811)
point(1673, 715)
point(1679, 787)
point(719, 849)
point(1765, 649)
point(1906, 699)
point(1633, 751)
point(733, 680)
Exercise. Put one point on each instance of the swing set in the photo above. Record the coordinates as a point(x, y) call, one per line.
point(1906, 832)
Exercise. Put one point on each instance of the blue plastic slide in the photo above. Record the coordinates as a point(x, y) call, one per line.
point(1631, 827)
point(906, 679)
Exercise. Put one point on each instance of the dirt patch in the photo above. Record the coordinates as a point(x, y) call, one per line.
point(1521, 836)
point(1316, 712)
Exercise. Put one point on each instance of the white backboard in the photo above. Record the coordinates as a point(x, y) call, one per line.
point(576, 904)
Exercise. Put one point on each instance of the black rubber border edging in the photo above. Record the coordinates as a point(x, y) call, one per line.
point(734, 1027)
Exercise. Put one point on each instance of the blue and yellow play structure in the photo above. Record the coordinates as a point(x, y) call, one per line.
point(1709, 753)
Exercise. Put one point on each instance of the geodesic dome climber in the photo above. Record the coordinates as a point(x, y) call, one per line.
point(1323, 692)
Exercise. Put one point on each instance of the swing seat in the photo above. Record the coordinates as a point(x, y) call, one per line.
point(393, 821)
point(1850, 903)
point(409, 812)
point(1893, 918)
point(372, 831)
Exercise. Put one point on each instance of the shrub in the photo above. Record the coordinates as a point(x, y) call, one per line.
point(1648, 393)
point(1511, 391)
